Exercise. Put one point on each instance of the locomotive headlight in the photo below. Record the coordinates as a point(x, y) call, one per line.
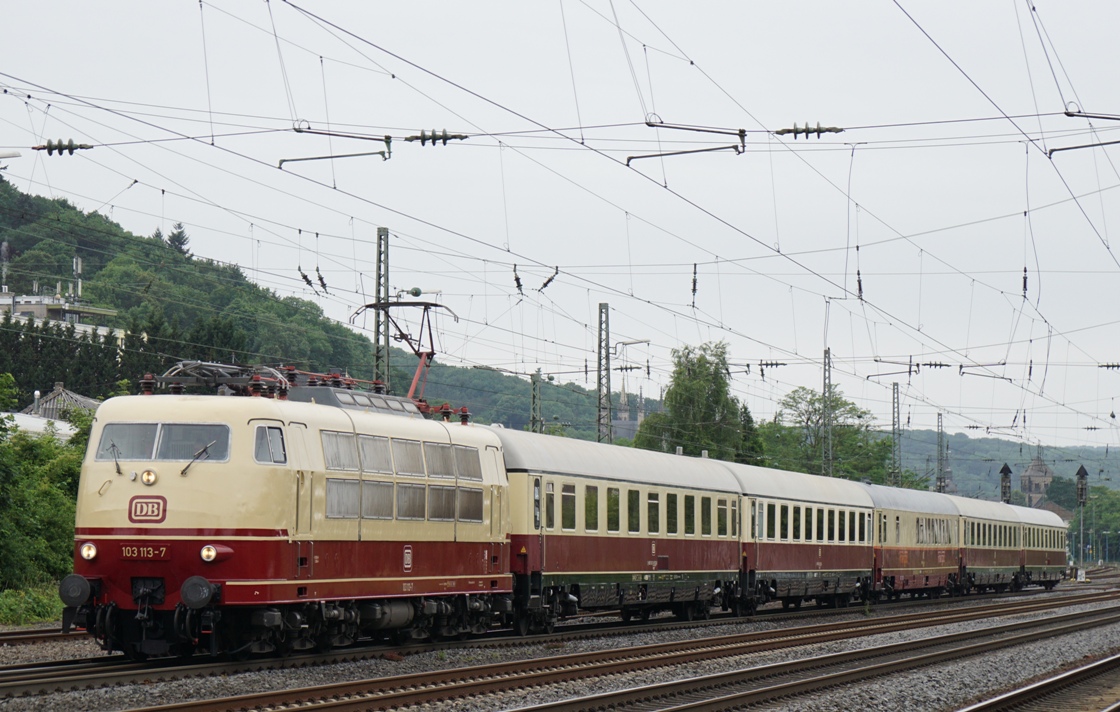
point(148, 477)
point(88, 551)
point(208, 553)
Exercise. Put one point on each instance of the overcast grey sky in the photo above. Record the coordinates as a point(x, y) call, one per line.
point(936, 196)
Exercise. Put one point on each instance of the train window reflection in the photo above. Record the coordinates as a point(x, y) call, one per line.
point(127, 442)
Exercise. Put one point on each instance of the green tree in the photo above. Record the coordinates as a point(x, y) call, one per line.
point(1063, 492)
point(178, 239)
point(700, 412)
point(793, 440)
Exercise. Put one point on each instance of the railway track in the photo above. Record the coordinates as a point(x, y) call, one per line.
point(1095, 686)
point(44, 635)
point(397, 692)
point(783, 681)
point(52, 676)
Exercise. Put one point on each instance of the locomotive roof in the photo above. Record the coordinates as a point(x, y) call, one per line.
point(567, 456)
point(783, 484)
point(911, 500)
point(1038, 517)
point(983, 509)
point(231, 409)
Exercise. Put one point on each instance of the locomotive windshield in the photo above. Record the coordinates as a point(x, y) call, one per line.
point(162, 441)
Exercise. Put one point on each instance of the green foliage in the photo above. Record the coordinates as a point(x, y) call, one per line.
point(1063, 492)
point(700, 412)
point(178, 239)
point(35, 604)
point(38, 480)
point(793, 440)
point(9, 394)
point(1101, 521)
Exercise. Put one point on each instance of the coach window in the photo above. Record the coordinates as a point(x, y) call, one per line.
point(820, 524)
point(467, 463)
point(633, 511)
point(591, 508)
point(841, 528)
point(653, 513)
point(851, 526)
point(377, 500)
point(342, 499)
point(441, 504)
point(671, 514)
point(269, 447)
point(410, 501)
point(440, 459)
point(863, 522)
point(408, 457)
point(568, 507)
point(614, 521)
point(897, 530)
point(832, 525)
point(689, 514)
point(797, 523)
point(549, 505)
point(706, 516)
point(783, 522)
point(771, 521)
point(376, 456)
point(735, 517)
point(721, 517)
point(340, 451)
point(808, 524)
point(470, 504)
point(536, 503)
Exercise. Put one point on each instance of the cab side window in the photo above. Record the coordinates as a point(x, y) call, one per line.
point(269, 446)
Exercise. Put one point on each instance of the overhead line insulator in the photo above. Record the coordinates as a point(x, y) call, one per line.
point(69, 146)
point(808, 130)
point(424, 137)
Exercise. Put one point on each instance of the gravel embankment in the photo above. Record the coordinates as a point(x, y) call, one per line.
point(944, 688)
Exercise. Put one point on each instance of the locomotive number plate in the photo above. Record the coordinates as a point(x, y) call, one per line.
point(145, 552)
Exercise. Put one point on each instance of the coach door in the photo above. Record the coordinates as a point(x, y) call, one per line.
point(496, 530)
point(303, 478)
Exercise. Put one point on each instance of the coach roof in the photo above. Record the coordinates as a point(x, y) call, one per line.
point(798, 486)
point(911, 500)
point(530, 452)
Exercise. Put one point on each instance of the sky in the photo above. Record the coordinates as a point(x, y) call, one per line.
point(600, 146)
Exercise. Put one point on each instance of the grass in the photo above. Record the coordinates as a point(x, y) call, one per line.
point(32, 605)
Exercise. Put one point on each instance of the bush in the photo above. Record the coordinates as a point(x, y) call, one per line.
point(32, 605)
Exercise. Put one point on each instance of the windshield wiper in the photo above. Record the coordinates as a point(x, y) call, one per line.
point(205, 450)
point(115, 450)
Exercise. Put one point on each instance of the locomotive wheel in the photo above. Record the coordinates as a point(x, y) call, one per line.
point(626, 615)
point(705, 611)
point(685, 612)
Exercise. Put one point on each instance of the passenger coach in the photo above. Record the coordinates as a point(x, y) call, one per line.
point(599, 527)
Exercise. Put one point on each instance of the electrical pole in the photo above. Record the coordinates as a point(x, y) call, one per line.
point(896, 439)
point(536, 423)
point(1082, 498)
point(1005, 484)
point(826, 416)
point(940, 480)
point(381, 317)
point(604, 387)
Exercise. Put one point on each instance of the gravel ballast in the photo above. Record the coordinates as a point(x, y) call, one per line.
point(945, 688)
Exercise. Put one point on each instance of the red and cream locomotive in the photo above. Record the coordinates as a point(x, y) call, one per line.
point(296, 513)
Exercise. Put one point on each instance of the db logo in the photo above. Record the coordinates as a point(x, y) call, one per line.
point(148, 510)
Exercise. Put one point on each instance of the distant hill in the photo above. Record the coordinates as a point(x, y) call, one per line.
point(976, 462)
